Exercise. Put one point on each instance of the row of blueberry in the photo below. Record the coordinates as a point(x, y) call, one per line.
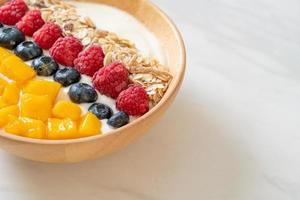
point(13, 39)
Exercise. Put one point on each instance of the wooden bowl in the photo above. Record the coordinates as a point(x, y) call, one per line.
point(76, 150)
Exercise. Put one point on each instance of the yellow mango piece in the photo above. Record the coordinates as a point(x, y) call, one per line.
point(36, 106)
point(89, 125)
point(3, 103)
point(43, 87)
point(66, 109)
point(3, 83)
point(4, 54)
point(16, 69)
point(59, 129)
point(5, 114)
point(27, 127)
point(11, 93)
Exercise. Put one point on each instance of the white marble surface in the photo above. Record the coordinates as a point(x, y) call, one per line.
point(237, 133)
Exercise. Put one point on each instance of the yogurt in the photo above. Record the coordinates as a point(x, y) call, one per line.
point(125, 26)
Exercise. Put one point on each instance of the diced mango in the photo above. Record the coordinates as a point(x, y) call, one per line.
point(11, 93)
point(89, 125)
point(6, 112)
point(27, 127)
point(59, 129)
point(43, 87)
point(36, 106)
point(3, 83)
point(4, 54)
point(66, 109)
point(16, 69)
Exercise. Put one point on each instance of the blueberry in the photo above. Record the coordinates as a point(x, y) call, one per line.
point(102, 111)
point(10, 37)
point(118, 120)
point(82, 93)
point(1, 25)
point(44, 66)
point(67, 76)
point(28, 50)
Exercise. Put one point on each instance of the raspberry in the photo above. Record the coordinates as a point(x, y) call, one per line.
point(111, 79)
point(31, 22)
point(47, 35)
point(133, 101)
point(12, 12)
point(65, 50)
point(90, 61)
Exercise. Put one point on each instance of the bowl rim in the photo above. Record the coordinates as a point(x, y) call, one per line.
point(163, 101)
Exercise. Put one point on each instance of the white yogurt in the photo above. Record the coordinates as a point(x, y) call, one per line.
point(124, 25)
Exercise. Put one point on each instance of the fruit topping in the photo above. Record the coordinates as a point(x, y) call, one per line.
point(44, 66)
point(10, 37)
point(4, 54)
point(11, 94)
point(1, 25)
point(28, 50)
point(46, 36)
point(102, 111)
point(111, 79)
point(27, 127)
point(31, 22)
point(134, 101)
point(6, 112)
point(15, 69)
point(12, 11)
point(59, 129)
point(65, 50)
point(90, 60)
point(36, 106)
point(89, 125)
point(42, 87)
point(118, 120)
point(82, 93)
point(66, 109)
point(67, 76)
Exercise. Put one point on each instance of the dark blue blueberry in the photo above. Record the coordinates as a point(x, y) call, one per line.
point(1, 25)
point(10, 37)
point(118, 120)
point(102, 111)
point(44, 66)
point(28, 50)
point(67, 76)
point(82, 93)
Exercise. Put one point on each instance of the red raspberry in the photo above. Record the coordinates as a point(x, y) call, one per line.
point(47, 35)
point(12, 12)
point(111, 79)
point(90, 60)
point(65, 50)
point(31, 22)
point(133, 101)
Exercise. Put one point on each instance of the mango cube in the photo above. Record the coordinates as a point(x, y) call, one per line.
point(6, 113)
point(36, 106)
point(66, 109)
point(27, 127)
point(11, 93)
point(16, 69)
point(89, 125)
point(42, 87)
point(3, 83)
point(4, 54)
point(59, 129)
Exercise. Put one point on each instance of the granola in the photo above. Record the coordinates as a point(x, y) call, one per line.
point(144, 71)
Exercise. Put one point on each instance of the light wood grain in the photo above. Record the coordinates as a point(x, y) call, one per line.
point(94, 147)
